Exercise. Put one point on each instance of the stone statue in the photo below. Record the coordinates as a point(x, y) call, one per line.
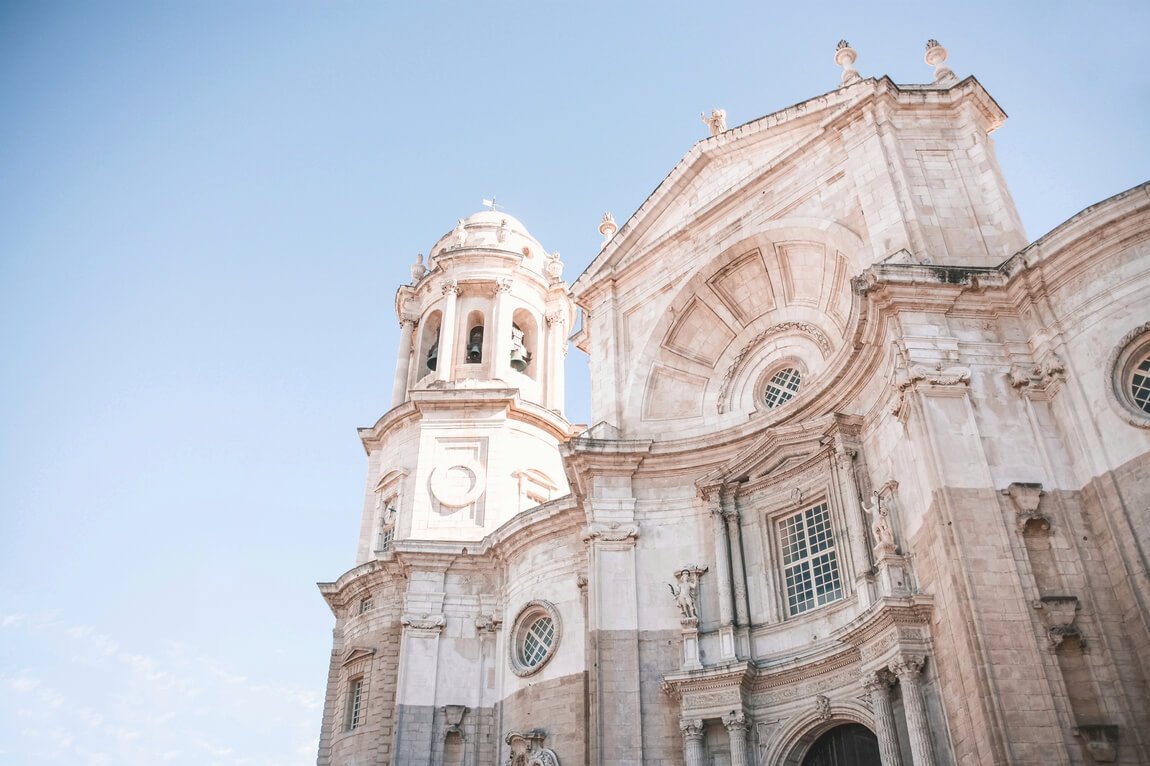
point(717, 122)
point(880, 525)
point(459, 235)
point(685, 593)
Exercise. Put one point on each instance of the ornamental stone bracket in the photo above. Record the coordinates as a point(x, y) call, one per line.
point(1058, 614)
point(488, 623)
point(1038, 381)
point(1026, 497)
point(453, 718)
point(1101, 741)
point(424, 625)
point(527, 749)
point(611, 533)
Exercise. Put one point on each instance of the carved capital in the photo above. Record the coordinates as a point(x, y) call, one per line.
point(408, 322)
point(878, 681)
point(692, 728)
point(502, 285)
point(908, 667)
point(735, 719)
point(450, 286)
point(488, 623)
point(555, 318)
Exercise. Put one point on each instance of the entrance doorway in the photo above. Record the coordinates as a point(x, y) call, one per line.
point(851, 744)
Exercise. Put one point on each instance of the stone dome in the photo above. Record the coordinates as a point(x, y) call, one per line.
point(494, 230)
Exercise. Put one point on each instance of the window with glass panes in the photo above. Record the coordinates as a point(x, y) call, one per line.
point(355, 704)
point(810, 561)
point(782, 387)
point(1140, 385)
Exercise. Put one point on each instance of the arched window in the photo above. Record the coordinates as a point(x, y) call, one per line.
point(473, 350)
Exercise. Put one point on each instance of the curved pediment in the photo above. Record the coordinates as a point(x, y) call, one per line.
point(778, 300)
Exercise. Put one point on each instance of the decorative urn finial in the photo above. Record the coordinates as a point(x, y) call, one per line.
point(417, 269)
point(845, 57)
point(936, 56)
point(554, 268)
point(607, 228)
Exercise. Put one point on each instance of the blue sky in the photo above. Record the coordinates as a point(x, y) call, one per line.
point(205, 209)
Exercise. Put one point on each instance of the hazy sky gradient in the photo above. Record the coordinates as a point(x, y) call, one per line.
point(205, 209)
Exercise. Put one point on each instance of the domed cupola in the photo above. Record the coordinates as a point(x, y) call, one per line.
point(489, 310)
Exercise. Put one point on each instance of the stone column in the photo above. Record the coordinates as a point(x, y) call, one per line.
point(692, 742)
point(909, 669)
point(556, 350)
point(736, 723)
point(735, 539)
point(878, 686)
point(402, 361)
point(723, 571)
point(445, 366)
point(499, 332)
point(856, 525)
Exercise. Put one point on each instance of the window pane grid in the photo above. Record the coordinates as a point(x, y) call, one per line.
point(811, 568)
point(354, 704)
point(538, 640)
point(782, 387)
point(1140, 385)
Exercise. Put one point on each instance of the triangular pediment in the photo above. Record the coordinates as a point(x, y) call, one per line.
point(356, 653)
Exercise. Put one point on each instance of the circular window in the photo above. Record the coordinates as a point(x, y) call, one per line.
point(534, 637)
point(1129, 371)
point(782, 387)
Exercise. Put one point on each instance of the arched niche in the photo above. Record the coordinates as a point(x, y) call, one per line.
point(428, 340)
point(474, 350)
point(523, 321)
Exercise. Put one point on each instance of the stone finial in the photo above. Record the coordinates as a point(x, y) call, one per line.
point(607, 228)
point(417, 269)
point(845, 57)
point(554, 267)
point(935, 56)
point(717, 122)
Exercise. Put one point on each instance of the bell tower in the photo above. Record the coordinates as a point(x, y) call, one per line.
point(477, 403)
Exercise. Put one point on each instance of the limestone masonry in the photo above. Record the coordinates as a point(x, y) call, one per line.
point(868, 480)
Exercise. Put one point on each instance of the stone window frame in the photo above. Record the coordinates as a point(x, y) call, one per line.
point(1133, 349)
point(366, 604)
point(389, 490)
point(528, 616)
point(837, 547)
point(355, 709)
point(764, 380)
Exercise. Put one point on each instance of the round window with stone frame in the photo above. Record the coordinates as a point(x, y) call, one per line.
point(780, 384)
point(534, 637)
point(1128, 370)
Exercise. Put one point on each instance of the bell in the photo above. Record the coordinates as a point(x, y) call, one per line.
point(519, 358)
point(432, 356)
point(475, 346)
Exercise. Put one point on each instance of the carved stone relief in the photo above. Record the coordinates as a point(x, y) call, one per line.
point(527, 749)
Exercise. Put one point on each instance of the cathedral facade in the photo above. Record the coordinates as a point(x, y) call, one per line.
point(868, 480)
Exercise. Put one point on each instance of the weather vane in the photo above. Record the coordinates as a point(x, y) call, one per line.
point(491, 204)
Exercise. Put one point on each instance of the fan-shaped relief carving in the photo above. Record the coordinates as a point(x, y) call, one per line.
point(804, 270)
point(672, 394)
point(745, 287)
point(699, 334)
